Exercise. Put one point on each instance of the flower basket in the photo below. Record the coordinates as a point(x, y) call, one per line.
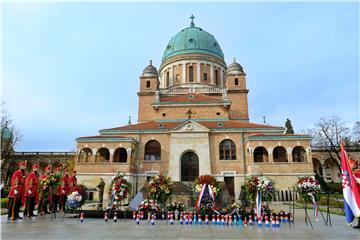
point(175, 206)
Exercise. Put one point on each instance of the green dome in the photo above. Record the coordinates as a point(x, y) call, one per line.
point(193, 40)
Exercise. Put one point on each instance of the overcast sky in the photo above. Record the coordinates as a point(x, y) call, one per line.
point(70, 69)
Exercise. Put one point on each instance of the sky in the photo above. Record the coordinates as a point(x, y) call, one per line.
point(71, 69)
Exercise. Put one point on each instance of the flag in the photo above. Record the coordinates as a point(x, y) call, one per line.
point(351, 190)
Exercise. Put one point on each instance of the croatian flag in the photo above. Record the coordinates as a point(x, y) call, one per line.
point(351, 190)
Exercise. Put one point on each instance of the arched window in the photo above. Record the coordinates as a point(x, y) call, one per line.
point(152, 150)
point(216, 77)
point(227, 150)
point(191, 74)
point(167, 79)
point(102, 155)
point(120, 155)
point(299, 154)
point(260, 155)
point(85, 155)
point(280, 154)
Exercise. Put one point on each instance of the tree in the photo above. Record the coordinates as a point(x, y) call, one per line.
point(328, 133)
point(356, 134)
point(289, 127)
point(10, 136)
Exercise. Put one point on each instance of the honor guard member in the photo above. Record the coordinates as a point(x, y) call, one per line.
point(65, 189)
point(45, 193)
point(73, 181)
point(16, 192)
point(31, 191)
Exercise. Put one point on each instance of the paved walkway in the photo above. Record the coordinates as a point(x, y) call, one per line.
point(70, 228)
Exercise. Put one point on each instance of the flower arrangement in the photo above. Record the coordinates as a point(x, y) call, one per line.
point(209, 180)
point(52, 180)
point(73, 201)
point(160, 188)
point(176, 206)
point(262, 183)
point(149, 205)
point(308, 186)
point(119, 189)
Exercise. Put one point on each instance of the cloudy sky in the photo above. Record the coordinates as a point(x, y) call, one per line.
point(70, 69)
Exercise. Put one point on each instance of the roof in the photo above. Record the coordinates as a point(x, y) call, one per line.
point(209, 124)
point(274, 136)
point(105, 138)
point(193, 40)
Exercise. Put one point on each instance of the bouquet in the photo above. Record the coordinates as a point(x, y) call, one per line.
point(206, 179)
point(308, 187)
point(54, 180)
point(262, 183)
point(160, 188)
point(45, 182)
point(176, 206)
point(119, 189)
point(149, 205)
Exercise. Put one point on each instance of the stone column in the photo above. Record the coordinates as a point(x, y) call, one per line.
point(111, 159)
point(212, 79)
point(221, 78)
point(289, 155)
point(93, 157)
point(184, 72)
point(198, 71)
point(171, 75)
point(270, 155)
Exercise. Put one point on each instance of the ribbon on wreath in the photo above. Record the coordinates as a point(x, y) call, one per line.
point(201, 194)
point(314, 203)
point(258, 211)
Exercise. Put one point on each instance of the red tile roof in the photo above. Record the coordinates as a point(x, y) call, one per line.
point(191, 97)
point(208, 124)
point(104, 136)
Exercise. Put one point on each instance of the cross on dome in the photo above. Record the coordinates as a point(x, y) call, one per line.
point(192, 24)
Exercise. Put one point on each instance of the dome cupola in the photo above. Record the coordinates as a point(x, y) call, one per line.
point(193, 40)
point(235, 69)
point(150, 71)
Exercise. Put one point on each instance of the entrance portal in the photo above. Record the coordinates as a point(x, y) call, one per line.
point(189, 166)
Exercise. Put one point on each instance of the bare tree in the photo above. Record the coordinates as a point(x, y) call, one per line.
point(328, 133)
point(356, 134)
point(10, 136)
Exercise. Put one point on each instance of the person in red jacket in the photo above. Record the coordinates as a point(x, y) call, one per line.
point(16, 192)
point(65, 189)
point(31, 193)
point(73, 181)
point(46, 193)
point(57, 193)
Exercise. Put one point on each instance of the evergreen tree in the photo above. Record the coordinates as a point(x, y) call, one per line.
point(289, 127)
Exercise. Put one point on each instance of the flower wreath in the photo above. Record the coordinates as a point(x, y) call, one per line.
point(119, 189)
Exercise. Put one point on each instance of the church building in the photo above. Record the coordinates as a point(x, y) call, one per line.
point(193, 119)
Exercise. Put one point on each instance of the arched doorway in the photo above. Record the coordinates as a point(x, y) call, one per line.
point(189, 166)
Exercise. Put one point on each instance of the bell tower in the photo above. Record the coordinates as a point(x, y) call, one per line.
point(149, 91)
point(235, 83)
